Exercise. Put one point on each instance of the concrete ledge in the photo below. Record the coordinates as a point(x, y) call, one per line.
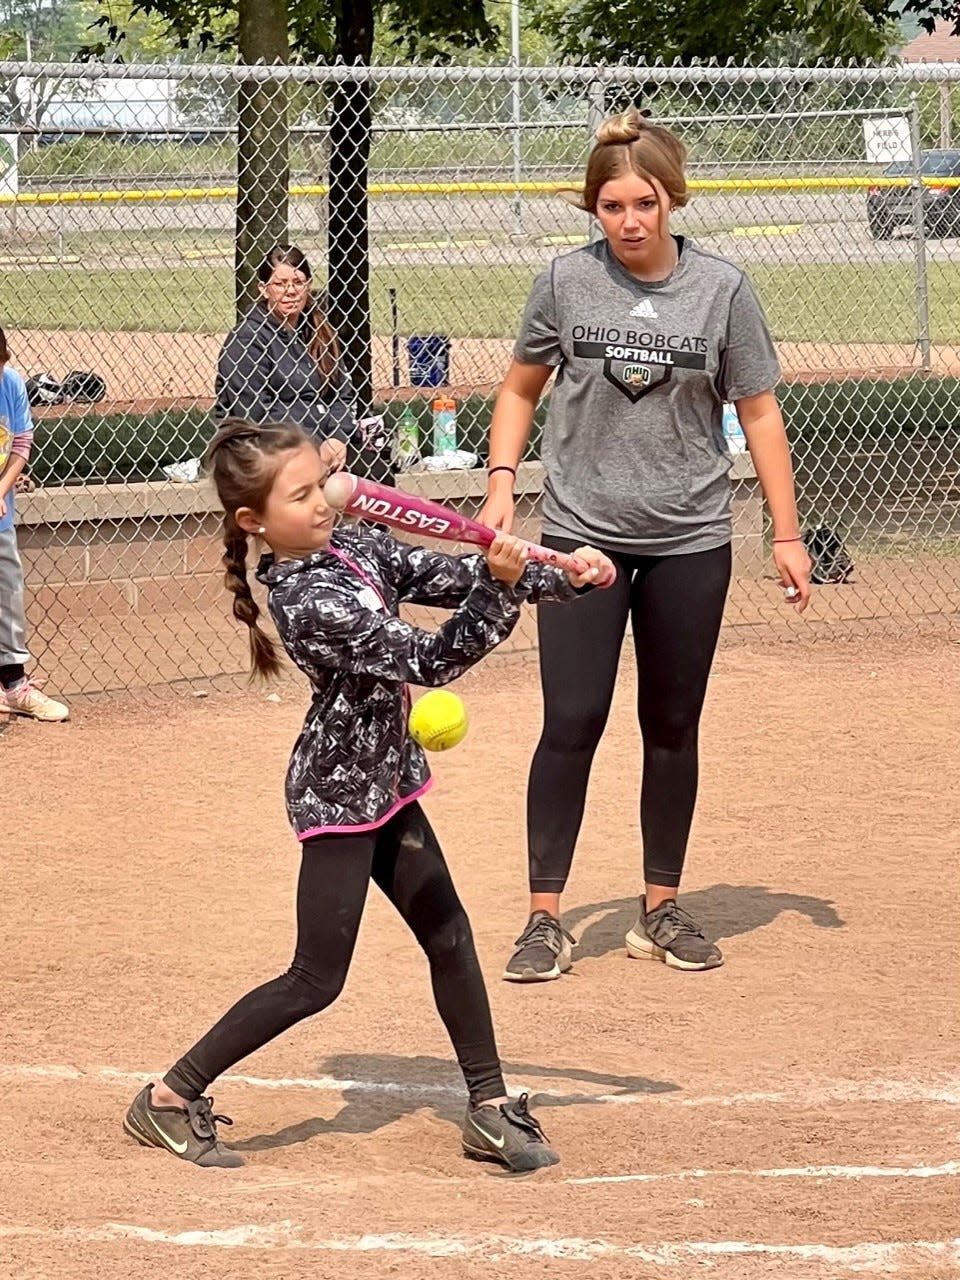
point(447, 486)
point(162, 499)
point(79, 503)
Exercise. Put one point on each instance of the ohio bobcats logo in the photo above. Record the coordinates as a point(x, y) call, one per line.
point(635, 380)
point(636, 375)
point(637, 363)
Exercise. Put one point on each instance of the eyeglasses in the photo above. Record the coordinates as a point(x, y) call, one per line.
point(289, 286)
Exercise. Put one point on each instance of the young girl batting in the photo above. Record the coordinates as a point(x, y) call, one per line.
point(356, 776)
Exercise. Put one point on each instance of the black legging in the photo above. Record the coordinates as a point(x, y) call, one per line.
point(676, 607)
point(405, 861)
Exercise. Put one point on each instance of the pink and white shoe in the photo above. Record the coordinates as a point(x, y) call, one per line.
point(25, 699)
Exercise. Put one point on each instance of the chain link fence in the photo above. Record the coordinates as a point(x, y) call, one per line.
point(134, 213)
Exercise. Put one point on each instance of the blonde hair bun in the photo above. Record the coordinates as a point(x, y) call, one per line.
point(632, 143)
point(623, 129)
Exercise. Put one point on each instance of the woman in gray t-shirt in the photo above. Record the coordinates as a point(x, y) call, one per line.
point(281, 362)
point(648, 336)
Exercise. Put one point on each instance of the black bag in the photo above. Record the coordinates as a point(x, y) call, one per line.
point(43, 389)
point(84, 386)
point(831, 562)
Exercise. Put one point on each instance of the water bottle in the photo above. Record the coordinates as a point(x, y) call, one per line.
point(375, 448)
point(732, 430)
point(408, 440)
point(444, 425)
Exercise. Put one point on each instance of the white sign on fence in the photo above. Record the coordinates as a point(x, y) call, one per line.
point(8, 164)
point(887, 139)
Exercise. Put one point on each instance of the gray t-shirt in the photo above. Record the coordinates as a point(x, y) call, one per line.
point(633, 450)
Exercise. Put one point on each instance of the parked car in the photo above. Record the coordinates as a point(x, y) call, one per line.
point(891, 207)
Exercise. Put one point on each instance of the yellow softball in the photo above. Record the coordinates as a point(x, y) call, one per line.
point(438, 720)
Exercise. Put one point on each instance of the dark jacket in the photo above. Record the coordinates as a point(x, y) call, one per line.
point(266, 373)
point(354, 763)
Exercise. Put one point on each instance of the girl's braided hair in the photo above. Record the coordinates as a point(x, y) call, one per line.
point(242, 459)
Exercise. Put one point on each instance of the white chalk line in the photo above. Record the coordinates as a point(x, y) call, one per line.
point(899, 1091)
point(951, 1169)
point(873, 1255)
point(946, 1092)
point(814, 1172)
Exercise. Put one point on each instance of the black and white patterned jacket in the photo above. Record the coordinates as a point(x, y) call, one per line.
point(354, 763)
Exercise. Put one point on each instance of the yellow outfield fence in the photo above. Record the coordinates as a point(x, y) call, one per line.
point(714, 185)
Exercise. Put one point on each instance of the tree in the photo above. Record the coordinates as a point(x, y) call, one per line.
point(691, 31)
point(36, 31)
point(263, 144)
point(927, 13)
point(49, 31)
point(314, 31)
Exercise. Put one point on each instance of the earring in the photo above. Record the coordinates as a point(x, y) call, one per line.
point(261, 529)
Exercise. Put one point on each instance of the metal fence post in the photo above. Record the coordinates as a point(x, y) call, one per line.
point(946, 117)
point(516, 100)
point(919, 239)
point(596, 111)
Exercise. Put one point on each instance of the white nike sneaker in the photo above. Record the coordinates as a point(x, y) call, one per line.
point(25, 699)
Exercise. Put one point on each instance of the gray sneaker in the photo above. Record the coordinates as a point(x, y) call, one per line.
point(670, 935)
point(544, 951)
point(507, 1135)
point(190, 1134)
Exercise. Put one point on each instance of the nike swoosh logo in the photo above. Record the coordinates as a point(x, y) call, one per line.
point(179, 1147)
point(497, 1142)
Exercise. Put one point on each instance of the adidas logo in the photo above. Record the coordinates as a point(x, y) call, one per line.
point(644, 310)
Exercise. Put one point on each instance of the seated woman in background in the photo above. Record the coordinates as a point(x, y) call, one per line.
point(282, 361)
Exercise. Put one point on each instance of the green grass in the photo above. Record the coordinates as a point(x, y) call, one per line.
point(854, 302)
point(106, 158)
point(462, 301)
point(847, 303)
point(172, 242)
point(194, 299)
point(717, 143)
point(465, 302)
point(444, 149)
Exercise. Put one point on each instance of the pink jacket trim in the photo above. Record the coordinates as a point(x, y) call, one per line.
point(366, 826)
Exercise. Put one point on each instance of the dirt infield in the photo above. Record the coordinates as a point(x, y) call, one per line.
point(182, 631)
point(793, 1114)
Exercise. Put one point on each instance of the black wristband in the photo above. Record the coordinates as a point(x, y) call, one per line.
point(512, 470)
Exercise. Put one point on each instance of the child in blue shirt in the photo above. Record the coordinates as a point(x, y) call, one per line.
point(18, 694)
